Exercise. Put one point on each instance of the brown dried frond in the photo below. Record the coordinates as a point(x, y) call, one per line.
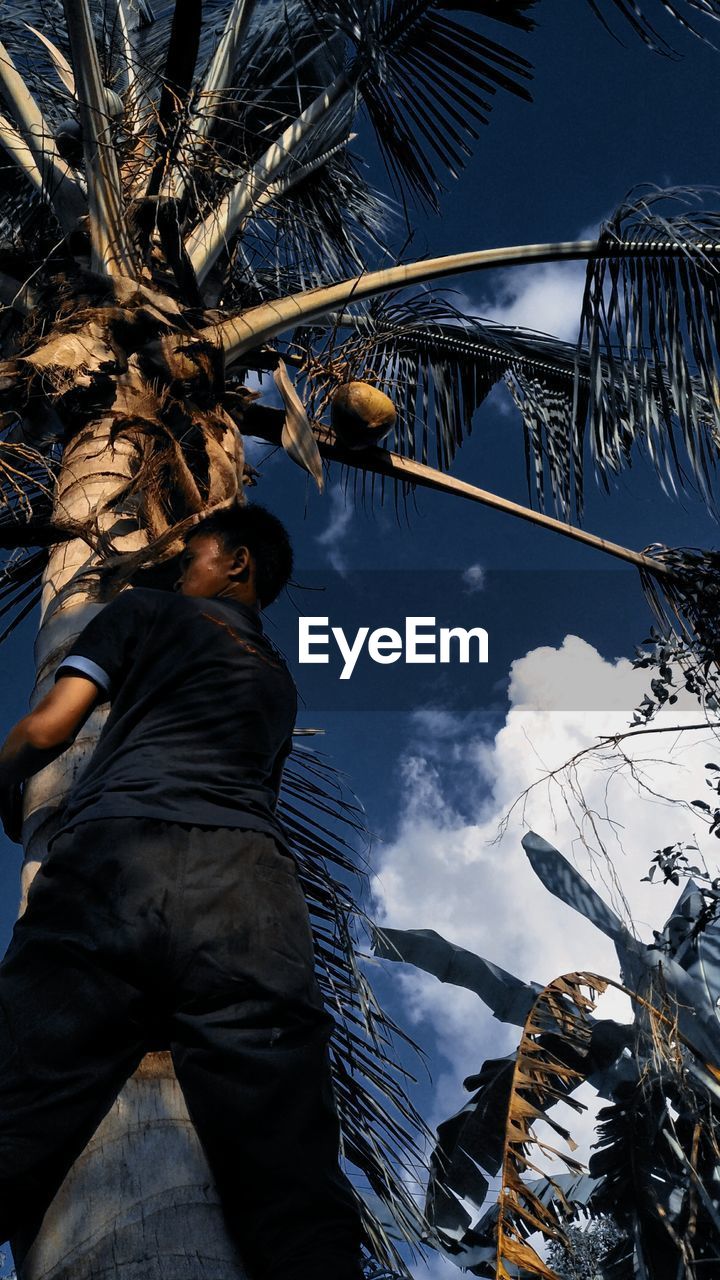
point(119, 568)
point(26, 476)
point(188, 460)
point(558, 1024)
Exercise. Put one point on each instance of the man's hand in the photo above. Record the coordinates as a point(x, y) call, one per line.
point(38, 739)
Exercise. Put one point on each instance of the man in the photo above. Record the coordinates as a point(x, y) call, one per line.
point(168, 911)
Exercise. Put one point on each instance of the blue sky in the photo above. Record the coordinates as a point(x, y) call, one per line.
point(437, 755)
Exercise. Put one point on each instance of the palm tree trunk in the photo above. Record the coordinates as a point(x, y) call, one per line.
point(139, 1203)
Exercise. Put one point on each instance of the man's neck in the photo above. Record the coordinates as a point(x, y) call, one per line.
point(239, 596)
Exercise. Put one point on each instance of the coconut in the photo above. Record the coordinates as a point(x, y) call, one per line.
point(362, 415)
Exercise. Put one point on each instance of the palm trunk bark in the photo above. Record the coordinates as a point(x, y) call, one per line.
point(139, 1202)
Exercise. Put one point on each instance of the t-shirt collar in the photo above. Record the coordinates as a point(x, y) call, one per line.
point(246, 610)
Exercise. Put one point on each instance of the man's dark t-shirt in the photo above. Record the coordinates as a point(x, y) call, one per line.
point(203, 708)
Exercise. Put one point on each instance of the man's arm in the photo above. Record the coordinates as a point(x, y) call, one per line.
point(39, 738)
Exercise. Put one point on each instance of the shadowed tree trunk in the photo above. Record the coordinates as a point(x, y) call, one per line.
point(139, 1203)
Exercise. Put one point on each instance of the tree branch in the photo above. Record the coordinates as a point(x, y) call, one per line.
point(112, 249)
point(258, 324)
point(217, 79)
point(616, 738)
point(56, 184)
point(14, 293)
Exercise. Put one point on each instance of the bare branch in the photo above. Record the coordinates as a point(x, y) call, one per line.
point(605, 751)
point(112, 249)
point(14, 293)
point(58, 187)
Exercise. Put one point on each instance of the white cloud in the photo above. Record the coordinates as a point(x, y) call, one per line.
point(443, 873)
point(474, 578)
point(546, 298)
point(336, 530)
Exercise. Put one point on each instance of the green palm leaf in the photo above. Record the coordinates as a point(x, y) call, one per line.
point(383, 1134)
point(650, 324)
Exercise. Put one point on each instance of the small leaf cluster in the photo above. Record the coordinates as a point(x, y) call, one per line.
point(712, 812)
point(674, 862)
point(676, 666)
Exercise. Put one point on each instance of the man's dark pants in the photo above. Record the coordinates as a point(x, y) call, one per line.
point(141, 933)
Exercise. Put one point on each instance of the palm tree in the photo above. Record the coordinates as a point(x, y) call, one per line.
point(182, 207)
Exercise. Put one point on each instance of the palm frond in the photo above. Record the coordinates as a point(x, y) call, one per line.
point(27, 482)
point(419, 104)
point(660, 1072)
point(646, 1178)
point(632, 13)
point(112, 248)
point(128, 19)
point(58, 186)
point(685, 601)
point(651, 325)
point(427, 81)
point(438, 366)
point(383, 1135)
point(324, 221)
point(20, 587)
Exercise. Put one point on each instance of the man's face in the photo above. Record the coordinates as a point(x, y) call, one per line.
point(205, 567)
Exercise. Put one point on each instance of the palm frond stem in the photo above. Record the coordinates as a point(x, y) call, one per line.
point(58, 187)
point(257, 325)
point(134, 93)
point(213, 234)
point(217, 78)
point(19, 151)
point(385, 463)
point(111, 245)
point(289, 180)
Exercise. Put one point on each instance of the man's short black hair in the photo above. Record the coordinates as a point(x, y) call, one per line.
point(265, 537)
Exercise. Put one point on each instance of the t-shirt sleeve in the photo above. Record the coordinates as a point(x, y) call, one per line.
point(104, 650)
